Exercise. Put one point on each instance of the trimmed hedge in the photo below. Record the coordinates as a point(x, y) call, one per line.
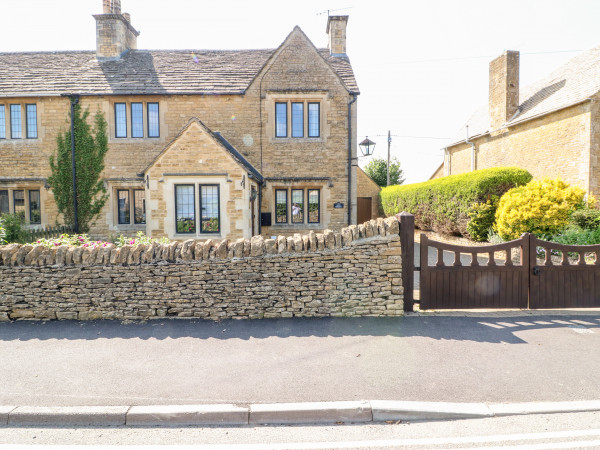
point(443, 204)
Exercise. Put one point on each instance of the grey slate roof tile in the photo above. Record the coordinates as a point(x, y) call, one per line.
point(572, 83)
point(141, 72)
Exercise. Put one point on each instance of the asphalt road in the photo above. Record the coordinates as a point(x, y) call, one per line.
point(503, 357)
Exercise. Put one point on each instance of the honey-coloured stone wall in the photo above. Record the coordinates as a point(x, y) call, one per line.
point(354, 272)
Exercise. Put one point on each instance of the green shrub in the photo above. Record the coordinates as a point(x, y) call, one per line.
point(483, 216)
point(443, 204)
point(574, 235)
point(13, 228)
point(83, 240)
point(140, 238)
point(586, 218)
point(541, 207)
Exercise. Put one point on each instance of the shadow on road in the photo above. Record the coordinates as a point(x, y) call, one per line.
point(478, 328)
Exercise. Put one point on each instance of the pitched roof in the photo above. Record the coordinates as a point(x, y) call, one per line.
point(217, 137)
point(141, 72)
point(574, 82)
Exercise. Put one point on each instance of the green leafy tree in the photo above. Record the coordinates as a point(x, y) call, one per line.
point(377, 171)
point(91, 146)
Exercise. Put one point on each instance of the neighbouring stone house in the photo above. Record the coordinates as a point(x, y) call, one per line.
point(551, 128)
point(202, 144)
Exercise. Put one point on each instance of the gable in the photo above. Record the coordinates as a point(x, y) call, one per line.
point(197, 149)
point(298, 65)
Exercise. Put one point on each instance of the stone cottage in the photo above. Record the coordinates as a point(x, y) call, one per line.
point(202, 144)
point(551, 128)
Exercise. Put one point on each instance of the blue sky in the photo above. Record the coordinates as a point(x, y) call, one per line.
point(422, 66)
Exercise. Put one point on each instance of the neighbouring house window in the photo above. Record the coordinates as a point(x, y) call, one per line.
point(123, 206)
point(15, 122)
point(314, 112)
point(31, 122)
point(153, 121)
point(314, 207)
point(297, 120)
point(280, 119)
point(35, 211)
point(120, 120)
point(139, 206)
point(185, 208)
point(2, 122)
point(297, 205)
point(209, 208)
point(25, 203)
point(19, 203)
point(137, 120)
point(3, 202)
point(281, 206)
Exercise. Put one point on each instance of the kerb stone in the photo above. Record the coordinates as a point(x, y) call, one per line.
point(187, 415)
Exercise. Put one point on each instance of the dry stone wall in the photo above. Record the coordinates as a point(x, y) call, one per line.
point(355, 272)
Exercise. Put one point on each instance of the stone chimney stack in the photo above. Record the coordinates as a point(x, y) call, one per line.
point(336, 29)
point(504, 88)
point(115, 35)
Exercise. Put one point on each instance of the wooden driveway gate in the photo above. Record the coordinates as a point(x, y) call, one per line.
point(524, 273)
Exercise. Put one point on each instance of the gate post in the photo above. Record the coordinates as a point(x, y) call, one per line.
point(528, 261)
point(407, 244)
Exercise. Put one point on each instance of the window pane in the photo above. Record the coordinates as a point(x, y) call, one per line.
point(31, 119)
point(297, 205)
point(2, 122)
point(3, 202)
point(314, 111)
point(185, 209)
point(313, 205)
point(281, 206)
point(153, 123)
point(19, 203)
point(137, 120)
point(209, 204)
point(139, 206)
point(280, 119)
point(15, 121)
point(120, 120)
point(297, 119)
point(35, 213)
point(123, 206)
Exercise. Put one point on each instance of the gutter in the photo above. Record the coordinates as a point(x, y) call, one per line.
point(354, 97)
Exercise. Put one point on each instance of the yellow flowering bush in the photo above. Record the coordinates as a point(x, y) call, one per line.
point(541, 207)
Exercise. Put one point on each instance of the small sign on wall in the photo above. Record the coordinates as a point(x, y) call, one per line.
point(338, 205)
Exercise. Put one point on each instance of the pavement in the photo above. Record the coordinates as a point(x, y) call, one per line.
point(427, 366)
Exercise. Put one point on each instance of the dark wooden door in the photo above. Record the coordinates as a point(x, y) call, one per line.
point(363, 209)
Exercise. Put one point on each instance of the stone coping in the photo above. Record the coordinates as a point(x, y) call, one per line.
point(193, 250)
